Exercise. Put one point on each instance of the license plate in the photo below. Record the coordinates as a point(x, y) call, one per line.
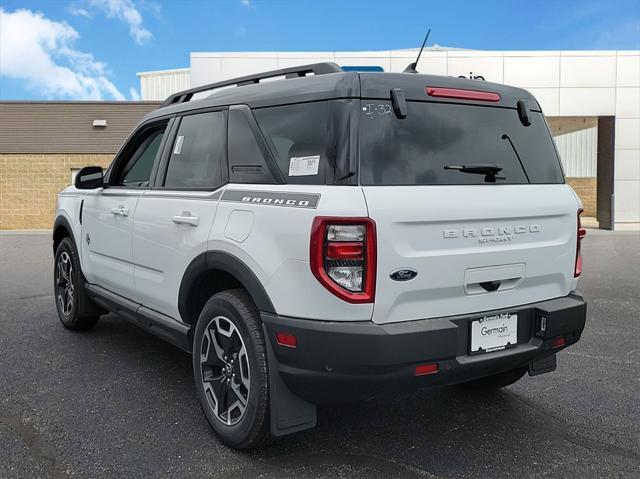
point(494, 333)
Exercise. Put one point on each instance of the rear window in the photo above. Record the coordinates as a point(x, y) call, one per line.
point(416, 149)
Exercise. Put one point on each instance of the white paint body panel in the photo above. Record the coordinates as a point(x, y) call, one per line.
point(107, 259)
point(163, 249)
point(277, 249)
point(437, 231)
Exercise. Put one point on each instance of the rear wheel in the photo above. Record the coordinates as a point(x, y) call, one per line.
point(497, 381)
point(230, 370)
point(69, 288)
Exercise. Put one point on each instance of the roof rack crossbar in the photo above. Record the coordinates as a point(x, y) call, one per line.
point(291, 72)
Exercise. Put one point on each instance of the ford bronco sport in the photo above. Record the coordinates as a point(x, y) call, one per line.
point(328, 237)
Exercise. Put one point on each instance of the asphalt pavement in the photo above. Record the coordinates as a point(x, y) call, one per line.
point(118, 402)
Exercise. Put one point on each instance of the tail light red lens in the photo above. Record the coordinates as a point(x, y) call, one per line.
point(346, 250)
point(424, 369)
point(343, 257)
point(286, 339)
point(558, 342)
point(462, 94)
point(580, 236)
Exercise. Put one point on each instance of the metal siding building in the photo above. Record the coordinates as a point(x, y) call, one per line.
point(67, 127)
point(159, 85)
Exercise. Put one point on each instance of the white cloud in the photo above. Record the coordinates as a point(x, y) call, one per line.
point(79, 12)
point(41, 52)
point(133, 93)
point(127, 12)
point(246, 3)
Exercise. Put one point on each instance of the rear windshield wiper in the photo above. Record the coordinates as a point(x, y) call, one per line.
point(489, 171)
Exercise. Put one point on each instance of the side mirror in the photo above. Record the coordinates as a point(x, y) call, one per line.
point(89, 178)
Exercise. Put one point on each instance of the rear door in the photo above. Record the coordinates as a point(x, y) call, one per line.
point(475, 245)
point(174, 218)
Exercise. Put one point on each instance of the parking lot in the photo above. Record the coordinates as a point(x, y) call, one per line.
point(117, 402)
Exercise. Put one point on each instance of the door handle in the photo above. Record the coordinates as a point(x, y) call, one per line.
point(186, 218)
point(120, 210)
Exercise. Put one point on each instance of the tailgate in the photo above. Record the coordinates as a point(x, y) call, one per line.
point(475, 248)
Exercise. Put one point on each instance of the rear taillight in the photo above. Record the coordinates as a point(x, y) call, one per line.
point(343, 257)
point(581, 234)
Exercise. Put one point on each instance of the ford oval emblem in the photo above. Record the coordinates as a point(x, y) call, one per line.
point(404, 274)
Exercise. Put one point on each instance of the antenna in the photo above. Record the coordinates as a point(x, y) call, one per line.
point(411, 68)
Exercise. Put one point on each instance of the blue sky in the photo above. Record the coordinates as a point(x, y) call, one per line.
point(92, 49)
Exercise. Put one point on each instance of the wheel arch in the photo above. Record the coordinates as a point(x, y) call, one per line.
point(214, 271)
point(62, 229)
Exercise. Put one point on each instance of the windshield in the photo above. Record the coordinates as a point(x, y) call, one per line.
point(415, 150)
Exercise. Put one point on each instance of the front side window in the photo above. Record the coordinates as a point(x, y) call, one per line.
point(198, 152)
point(139, 159)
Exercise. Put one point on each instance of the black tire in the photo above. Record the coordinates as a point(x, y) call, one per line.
point(70, 300)
point(222, 374)
point(497, 381)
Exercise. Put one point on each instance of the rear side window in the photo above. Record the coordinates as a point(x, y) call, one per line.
point(416, 149)
point(198, 152)
point(298, 136)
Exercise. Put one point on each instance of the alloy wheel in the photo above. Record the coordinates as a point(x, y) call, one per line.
point(225, 372)
point(65, 289)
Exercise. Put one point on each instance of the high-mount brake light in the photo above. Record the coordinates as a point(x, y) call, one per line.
point(580, 236)
point(462, 94)
point(343, 257)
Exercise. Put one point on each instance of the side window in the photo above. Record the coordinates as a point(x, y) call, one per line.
point(198, 152)
point(247, 162)
point(299, 135)
point(134, 169)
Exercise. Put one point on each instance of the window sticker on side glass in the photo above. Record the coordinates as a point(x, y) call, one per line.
point(304, 165)
point(178, 148)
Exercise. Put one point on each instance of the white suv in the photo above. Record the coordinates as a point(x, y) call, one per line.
point(329, 237)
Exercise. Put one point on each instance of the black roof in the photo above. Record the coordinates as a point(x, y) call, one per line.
point(331, 85)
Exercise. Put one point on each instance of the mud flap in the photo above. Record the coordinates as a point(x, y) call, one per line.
point(542, 366)
point(289, 413)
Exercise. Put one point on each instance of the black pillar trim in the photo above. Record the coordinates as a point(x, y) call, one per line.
point(605, 172)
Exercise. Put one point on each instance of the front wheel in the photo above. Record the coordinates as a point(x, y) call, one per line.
point(69, 288)
point(230, 370)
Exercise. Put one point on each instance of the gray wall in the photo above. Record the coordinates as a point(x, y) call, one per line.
point(67, 127)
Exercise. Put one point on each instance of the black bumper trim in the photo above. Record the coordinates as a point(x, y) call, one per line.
point(340, 361)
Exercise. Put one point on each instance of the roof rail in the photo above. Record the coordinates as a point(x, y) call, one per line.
point(291, 72)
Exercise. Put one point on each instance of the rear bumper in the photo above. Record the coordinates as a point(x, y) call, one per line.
point(346, 361)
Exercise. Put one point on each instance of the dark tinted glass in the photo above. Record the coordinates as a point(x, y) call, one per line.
point(298, 136)
point(137, 170)
point(415, 150)
point(247, 162)
point(198, 152)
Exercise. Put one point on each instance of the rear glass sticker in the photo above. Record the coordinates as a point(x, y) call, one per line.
point(178, 148)
point(304, 165)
